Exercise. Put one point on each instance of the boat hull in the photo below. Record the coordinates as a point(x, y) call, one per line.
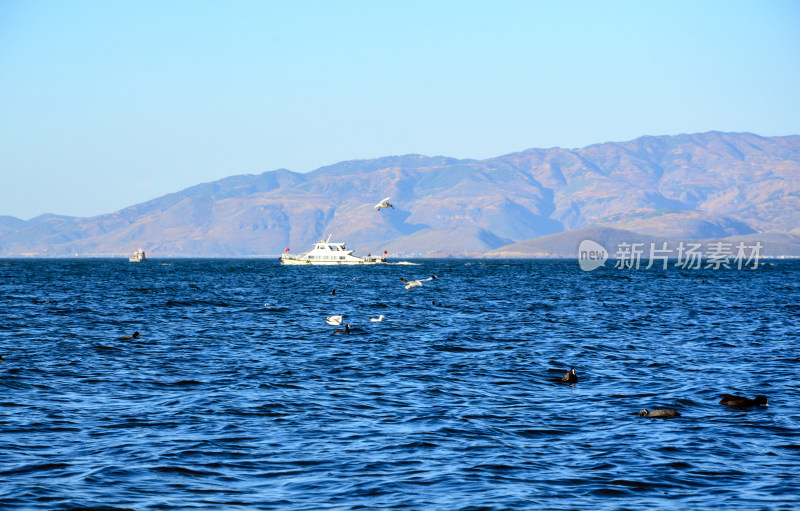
point(296, 261)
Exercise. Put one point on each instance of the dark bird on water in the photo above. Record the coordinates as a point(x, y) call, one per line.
point(134, 335)
point(345, 330)
point(743, 402)
point(2, 359)
point(570, 377)
point(659, 413)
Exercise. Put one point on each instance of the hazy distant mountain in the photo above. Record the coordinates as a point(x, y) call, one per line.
point(708, 185)
point(566, 244)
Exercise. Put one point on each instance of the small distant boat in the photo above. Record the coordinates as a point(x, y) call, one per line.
point(138, 256)
point(327, 253)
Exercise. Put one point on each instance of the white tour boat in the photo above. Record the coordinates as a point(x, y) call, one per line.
point(138, 256)
point(325, 252)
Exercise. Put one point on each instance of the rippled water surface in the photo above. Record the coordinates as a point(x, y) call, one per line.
point(238, 394)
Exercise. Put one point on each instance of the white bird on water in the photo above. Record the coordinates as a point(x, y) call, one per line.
point(334, 320)
point(379, 318)
point(384, 204)
point(415, 283)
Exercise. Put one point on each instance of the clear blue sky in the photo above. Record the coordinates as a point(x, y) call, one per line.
point(105, 104)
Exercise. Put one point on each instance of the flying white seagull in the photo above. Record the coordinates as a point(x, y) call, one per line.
point(384, 204)
point(334, 320)
point(415, 283)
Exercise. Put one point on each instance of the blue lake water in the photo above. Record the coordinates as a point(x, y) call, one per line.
point(238, 395)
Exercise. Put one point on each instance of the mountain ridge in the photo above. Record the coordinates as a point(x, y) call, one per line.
point(707, 185)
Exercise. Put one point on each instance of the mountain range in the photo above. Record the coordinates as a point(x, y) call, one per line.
point(695, 186)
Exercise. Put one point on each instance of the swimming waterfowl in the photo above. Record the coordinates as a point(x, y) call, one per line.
point(415, 283)
point(659, 413)
point(379, 318)
point(134, 335)
point(345, 330)
point(743, 402)
point(570, 377)
point(334, 320)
